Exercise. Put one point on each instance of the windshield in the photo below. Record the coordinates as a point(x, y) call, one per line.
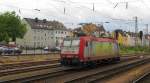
point(75, 42)
point(67, 43)
point(71, 42)
point(70, 46)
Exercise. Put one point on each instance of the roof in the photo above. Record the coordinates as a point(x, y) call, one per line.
point(44, 24)
point(98, 28)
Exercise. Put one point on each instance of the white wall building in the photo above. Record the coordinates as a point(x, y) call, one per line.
point(42, 33)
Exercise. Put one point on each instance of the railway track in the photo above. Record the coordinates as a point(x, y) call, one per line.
point(10, 72)
point(29, 54)
point(26, 64)
point(59, 53)
point(26, 69)
point(31, 73)
point(143, 78)
point(95, 77)
point(98, 73)
point(52, 72)
point(60, 75)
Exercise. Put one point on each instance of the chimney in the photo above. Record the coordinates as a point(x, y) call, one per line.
point(44, 20)
point(36, 19)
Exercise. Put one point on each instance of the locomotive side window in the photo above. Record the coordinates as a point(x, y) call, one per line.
point(86, 43)
point(88, 48)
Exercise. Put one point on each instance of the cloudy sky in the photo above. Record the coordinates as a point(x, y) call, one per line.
point(119, 13)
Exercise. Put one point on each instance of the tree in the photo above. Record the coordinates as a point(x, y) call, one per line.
point(89, 28)
point(4, 37)
point(11, 26)
point(141, 35)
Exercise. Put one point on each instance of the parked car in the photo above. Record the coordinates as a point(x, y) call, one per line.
point(17, 50)
point(55, 49)
point(8, 51)
point(46, 49)
point(12, 50)
point(3, 49)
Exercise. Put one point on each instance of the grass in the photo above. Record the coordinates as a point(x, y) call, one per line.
point(134, 49)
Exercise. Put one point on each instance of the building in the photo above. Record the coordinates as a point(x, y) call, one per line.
point(97, 32)
point(42, 33)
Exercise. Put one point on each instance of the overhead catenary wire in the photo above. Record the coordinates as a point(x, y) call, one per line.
point(90, 9)
point(87, 8)
point(109, 17)
point(93, 9)
point(113, 18)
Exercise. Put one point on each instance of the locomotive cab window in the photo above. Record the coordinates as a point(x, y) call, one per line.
point(71, 42)
point(75, 42)
point(67, 43)
point(71, 46)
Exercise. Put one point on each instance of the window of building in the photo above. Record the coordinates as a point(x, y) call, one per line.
point(51, 33)
point(34, 44)
point(41, 25)
point(44, 25)
point(34, 31)
point(34, 37)
point(38, 43)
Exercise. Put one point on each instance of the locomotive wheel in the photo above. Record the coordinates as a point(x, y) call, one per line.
point(91, 64)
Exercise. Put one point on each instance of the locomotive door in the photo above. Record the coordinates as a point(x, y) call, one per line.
point(87, 50)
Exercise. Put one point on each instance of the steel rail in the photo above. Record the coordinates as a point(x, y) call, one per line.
point(68, 75)
point(92, 78)
point(35, 75)
point(61, 72)
point(30, 68)
point(140, 78)
point(30, 54)
point(26, 64)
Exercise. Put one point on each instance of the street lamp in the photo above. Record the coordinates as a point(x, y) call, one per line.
point(37, 9)
point(106, 22)
point(102, 23)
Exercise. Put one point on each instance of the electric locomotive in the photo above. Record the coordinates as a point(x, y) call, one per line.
point(87, 50)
